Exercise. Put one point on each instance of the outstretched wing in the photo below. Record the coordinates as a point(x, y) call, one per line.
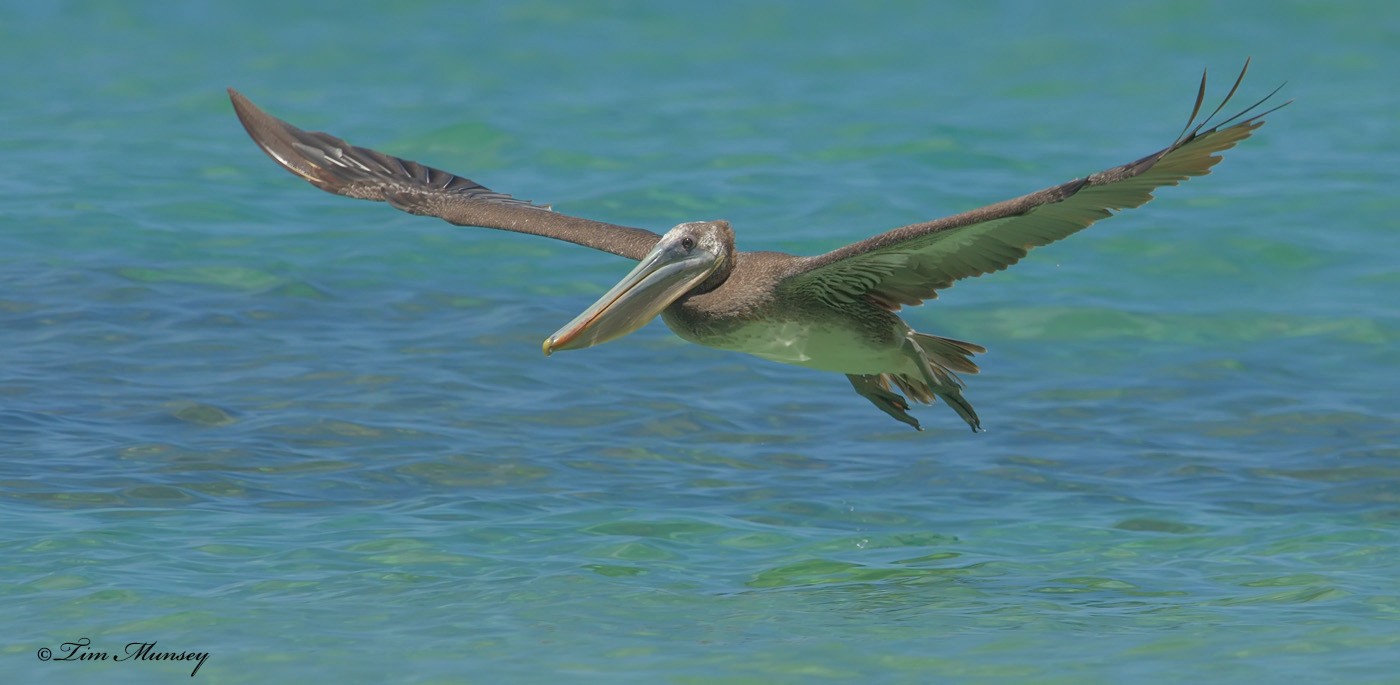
point(910, 264)
point(336, 166)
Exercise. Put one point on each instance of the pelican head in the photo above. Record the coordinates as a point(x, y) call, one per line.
point(692, 257)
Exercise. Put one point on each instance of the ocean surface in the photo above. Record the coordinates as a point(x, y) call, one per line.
point(314, 440)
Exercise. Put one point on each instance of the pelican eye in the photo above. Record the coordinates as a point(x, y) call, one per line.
point(688, 243)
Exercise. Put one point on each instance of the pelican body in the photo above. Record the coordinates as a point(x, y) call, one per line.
point(831, 312)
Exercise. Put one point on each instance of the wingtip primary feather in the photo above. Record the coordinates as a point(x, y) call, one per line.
point(1196, 108)
point(1225, 100)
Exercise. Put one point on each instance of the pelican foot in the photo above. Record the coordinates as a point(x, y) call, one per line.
point(871, 388)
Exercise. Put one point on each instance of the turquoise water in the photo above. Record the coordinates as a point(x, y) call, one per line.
point(315, 438)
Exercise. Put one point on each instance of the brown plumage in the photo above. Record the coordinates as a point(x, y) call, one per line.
point(833, 311)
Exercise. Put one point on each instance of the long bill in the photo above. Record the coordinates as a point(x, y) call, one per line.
point(662, 277)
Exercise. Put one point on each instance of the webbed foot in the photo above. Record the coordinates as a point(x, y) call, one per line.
point(874, 389)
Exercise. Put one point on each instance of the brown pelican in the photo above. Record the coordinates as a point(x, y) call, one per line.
point(833, 312)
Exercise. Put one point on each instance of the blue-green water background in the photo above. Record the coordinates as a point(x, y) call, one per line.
point(315, 437)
